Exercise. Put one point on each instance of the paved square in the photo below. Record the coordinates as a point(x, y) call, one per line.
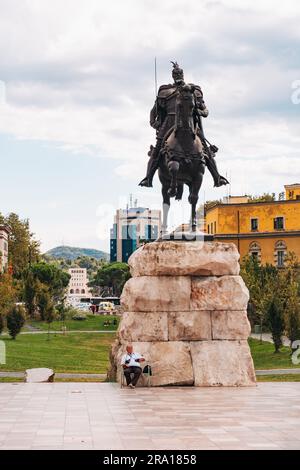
point(103, 416)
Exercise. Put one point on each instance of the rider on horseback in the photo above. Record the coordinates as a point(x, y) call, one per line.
point(162, 118)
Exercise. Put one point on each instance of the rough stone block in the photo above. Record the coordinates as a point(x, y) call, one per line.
point(190, 326)
point(144, 326)
point(177, 258)
point(230, 324)
point(222, 363)
point(156, 294)
point(219, 293)
point(39, 375)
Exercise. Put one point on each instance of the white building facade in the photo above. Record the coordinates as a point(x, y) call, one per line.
point(4, 233)
point(78, 284)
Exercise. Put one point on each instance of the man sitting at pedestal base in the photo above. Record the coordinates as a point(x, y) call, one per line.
point(131, 365)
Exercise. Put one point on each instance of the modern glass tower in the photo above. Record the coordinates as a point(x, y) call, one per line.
point(132, 227)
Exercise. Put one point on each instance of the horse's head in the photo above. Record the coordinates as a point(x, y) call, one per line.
point(185, 104)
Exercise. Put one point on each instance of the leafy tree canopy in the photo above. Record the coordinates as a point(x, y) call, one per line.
point(112, 275)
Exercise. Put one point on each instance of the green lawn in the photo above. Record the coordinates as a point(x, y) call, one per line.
point(68, 379)
point(265, 358)
point(89, 353)
point(81, 352)
point(279, 378)
point(92, 323)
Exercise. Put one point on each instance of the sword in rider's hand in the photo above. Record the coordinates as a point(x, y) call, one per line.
point(155, 78)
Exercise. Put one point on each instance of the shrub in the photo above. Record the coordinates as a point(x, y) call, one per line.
point(70, 312)
point(276, 323)
point(79, 316)
point(15, 320)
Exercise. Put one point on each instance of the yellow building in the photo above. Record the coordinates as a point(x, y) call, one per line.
point(265, 230)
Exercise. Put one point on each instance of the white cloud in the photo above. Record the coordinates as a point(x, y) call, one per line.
point(80, 75)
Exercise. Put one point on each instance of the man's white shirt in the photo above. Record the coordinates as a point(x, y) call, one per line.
point(132, 359)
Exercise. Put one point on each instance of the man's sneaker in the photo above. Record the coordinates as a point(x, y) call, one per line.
point(131, 386)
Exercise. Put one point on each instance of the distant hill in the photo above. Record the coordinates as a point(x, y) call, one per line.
point(71, 253)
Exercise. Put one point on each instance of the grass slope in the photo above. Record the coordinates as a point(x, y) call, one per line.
point(92, 323)
point(265, 358)
point(89, 353)
point(81, 352)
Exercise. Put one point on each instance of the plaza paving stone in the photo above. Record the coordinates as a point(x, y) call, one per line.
point(103, 416)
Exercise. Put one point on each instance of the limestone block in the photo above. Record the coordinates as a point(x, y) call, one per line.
point(39, 375)
point(230, 324)
point(144, 326)
point(170, 361)
point(222, 363)
point(219, 293)
point(113, 361)
point(189, 326)
point(156, 294)
point(179, 258)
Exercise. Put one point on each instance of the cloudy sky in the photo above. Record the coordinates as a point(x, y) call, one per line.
point(77, 84)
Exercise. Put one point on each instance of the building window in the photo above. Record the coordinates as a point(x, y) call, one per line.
point(255, 251)
point(208, 228)
point(82, 291)
point(280, 258)
point(254, 225)
point(72, 291)
point(280, 253)
point(215, 227)
point(279, 223)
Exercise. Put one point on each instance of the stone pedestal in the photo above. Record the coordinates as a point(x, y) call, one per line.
point(185, 312)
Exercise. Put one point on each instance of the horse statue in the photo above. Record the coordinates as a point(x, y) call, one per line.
point(182, 158)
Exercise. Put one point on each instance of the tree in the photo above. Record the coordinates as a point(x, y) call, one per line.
point(210, 204)
point(15, 320)
point(290, 294)
point(30, 289)
point(22, 248)
point(292, 316)
point(40, 278)
point(8, 293)
point(53, 277)
point(113, 276)
point(262, 282)
point(46, 307)
point(1, 323)
point(275, 320)
point(265, 197)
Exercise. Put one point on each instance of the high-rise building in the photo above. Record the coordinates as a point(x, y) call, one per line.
point(132, 227)
point(4, 232)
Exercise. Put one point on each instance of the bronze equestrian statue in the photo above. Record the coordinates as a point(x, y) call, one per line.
point(182, 151)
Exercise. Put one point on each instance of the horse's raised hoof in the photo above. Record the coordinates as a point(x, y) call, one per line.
point(222, 181)
point(172, 191)
point(146, 183)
